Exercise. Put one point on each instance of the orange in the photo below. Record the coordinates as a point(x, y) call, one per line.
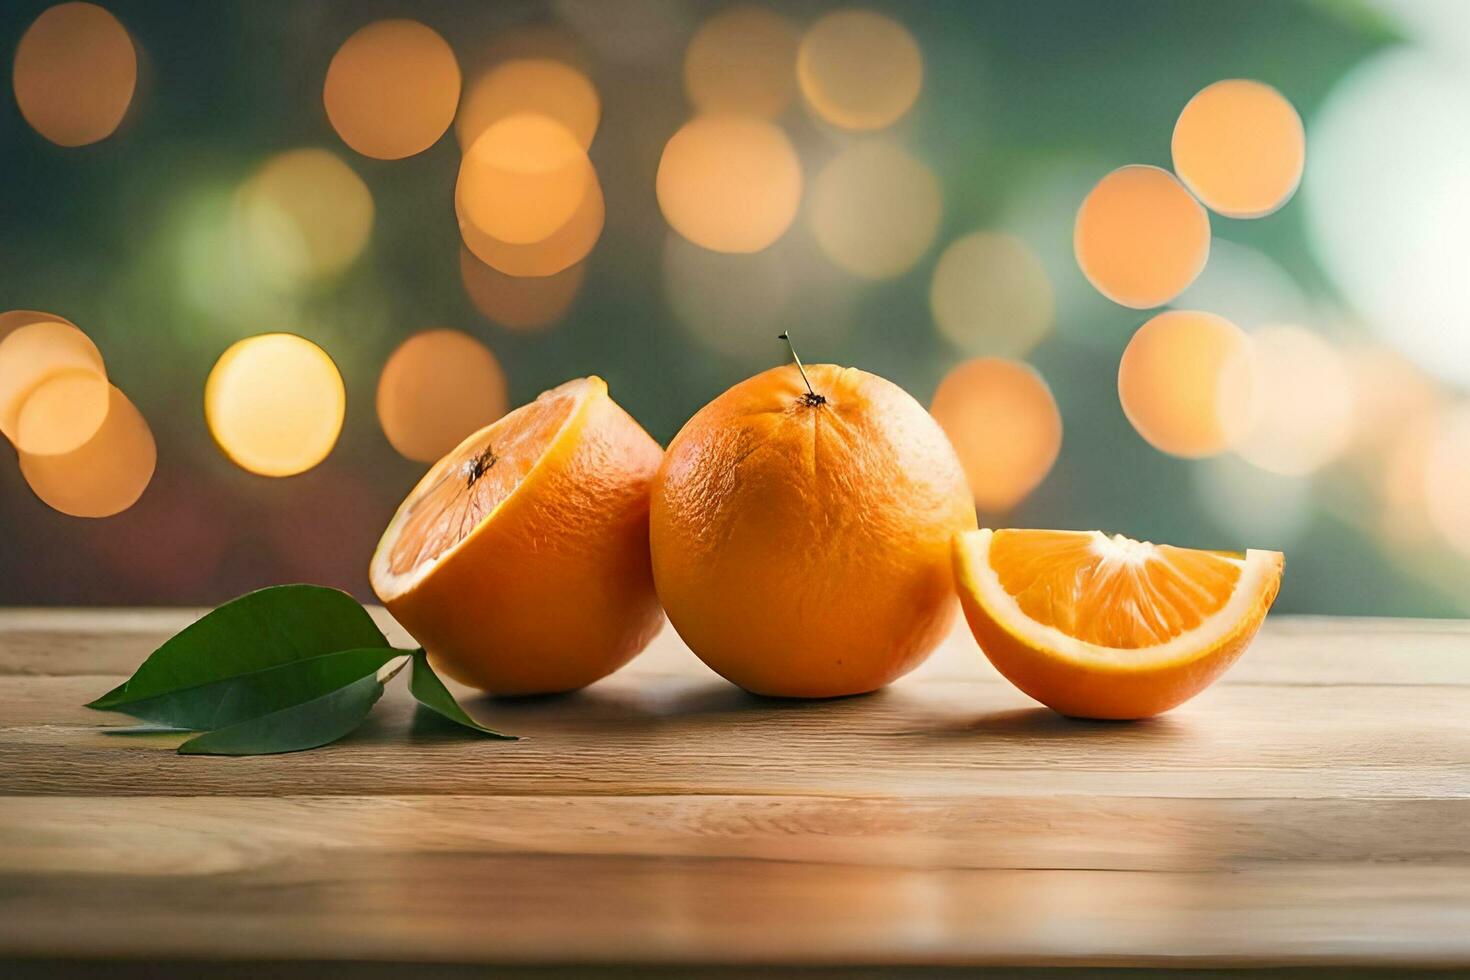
point(1108, 627)
point(801, 536)
point(520, 561)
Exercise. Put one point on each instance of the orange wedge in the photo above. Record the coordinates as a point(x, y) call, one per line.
point(1107, 627)
point(520, 561)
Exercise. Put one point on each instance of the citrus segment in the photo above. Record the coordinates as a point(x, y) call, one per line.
point(1111, 591)
point(541, 513)
point(1108, 627)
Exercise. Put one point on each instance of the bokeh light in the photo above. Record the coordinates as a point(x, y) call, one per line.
point(1303, 402)
point(1240, 147)
point(303, 216)
point(564, 248)
point(1004, 424)
point(519, 302)
point(742, 61)
point(13, 320)
point(729, 183)
point(62, 412)
point(75, 72)
point(1447, 479)
point(991, 295)
point(1140, 237)
point(105, 475)
point(1186, 383)
point(1387, 191)
point(275, 404)
point(35, 352)
point(203, 247)
point(392, 89)
point(875, 210)
point(1246, 287)
point(1402, 485)
point(859, 70)
point(438, 387)
point(1389, 393)
point(523, 179)
point(544, 86)
point(1042, 212)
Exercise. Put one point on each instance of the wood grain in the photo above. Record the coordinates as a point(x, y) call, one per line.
point(1312, 810)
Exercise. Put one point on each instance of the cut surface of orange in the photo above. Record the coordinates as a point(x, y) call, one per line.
point(470, 483)
point(520, 561)
point(1100, 626)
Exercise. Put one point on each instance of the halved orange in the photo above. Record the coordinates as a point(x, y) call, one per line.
point(1107, 627)
point(520, 561)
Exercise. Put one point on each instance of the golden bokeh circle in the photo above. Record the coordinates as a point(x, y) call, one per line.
point(392, 89)
point(275, 404)
point(75, 73)
point(1005, 426)
point(742, 61)
point(523, 179)
point(62, 412)
point(875, 210)
point(1186, 382)
point(991, 295)
point(305, 215)
point(105, 475)
point(544, 86)
point(568, 245)
point(438, 387)
point(13, 320)
point(1140, 237)
point(1239, 145)
point(859, 70)
point(32, 354)
point(729, 183)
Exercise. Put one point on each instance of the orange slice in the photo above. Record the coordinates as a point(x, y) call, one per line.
point(520, 561)
point(1107, 627)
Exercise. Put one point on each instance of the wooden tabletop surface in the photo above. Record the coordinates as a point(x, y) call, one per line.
point(1312, 809)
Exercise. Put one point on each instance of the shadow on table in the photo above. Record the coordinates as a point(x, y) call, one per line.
point(1044, 723)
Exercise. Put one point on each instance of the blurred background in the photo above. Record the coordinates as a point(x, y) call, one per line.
point(449, 207)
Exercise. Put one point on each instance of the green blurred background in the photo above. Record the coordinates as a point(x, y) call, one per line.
point(1024, 106)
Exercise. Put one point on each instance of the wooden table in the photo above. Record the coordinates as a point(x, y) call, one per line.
point(1313, 809)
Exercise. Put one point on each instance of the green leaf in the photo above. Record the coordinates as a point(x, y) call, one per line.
point(261, 629)
point(300, 726)
point(235, 699)
point(432, 694)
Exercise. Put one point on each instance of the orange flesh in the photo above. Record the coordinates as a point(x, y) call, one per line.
point(1062, 579)
point(474, 479)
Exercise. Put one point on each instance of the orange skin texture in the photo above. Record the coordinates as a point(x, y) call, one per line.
point(803, 550)
point(1097, 691)
point(554, 590)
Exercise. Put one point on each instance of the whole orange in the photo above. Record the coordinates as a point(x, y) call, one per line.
point(801, 536)
point(520, 561)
